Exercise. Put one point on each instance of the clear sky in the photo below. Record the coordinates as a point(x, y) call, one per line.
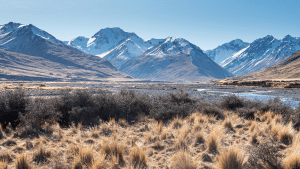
point(206, 23)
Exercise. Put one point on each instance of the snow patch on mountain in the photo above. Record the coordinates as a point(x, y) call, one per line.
point(224, 51)
point(261, 53)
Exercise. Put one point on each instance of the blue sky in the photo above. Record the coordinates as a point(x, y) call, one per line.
point(206, 23)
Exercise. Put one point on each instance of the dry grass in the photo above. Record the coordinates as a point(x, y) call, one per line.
point(196, 141)
point(176, 123)
point(138, 157)
point(292, 161)
point(22, 162)
point(3, 165)
point(213, 141)
point(230, 159)
point(41, 155)
point(182, 160)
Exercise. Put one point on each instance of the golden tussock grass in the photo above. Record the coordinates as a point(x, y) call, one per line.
point(86, 155)
point(100, 162)
point(182, 160)
point(3, 165)
point(227, 123)
point(286, 133)
point(292, 161)
point(199, 138)
point(197, 127)
point(181, 142)
point(113, 149)
point(123, 123)
point(138, 157)
point(41, 155)
point(176, 123)
point(213, 141)
point(22, 162)
point(253, 126)
point(230, 159)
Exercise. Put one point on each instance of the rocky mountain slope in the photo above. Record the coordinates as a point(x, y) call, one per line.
point(175, 60)
point(39, 45)
point(261, 53)
point(224, 51)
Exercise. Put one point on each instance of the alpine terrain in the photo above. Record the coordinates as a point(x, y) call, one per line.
point(224, 51)
point(261, 53)
point(113, 44)
point(45, 56)
point(175, 60)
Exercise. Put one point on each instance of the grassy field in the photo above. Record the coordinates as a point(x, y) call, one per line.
point(84, 129)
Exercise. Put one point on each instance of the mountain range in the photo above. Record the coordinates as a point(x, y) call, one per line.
point(224, 51)
point(23, 45)
point(261, 53)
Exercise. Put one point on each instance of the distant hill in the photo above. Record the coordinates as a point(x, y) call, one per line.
point(53, 58)
point(174, 60)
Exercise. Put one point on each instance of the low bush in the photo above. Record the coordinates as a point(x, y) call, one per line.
point(232, 102)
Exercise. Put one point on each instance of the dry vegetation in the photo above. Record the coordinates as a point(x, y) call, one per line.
point(136, 131)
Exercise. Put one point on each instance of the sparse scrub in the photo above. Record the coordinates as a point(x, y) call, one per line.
point(232, 102)
point(210, 110)
point(182, 160)
point(230, 159)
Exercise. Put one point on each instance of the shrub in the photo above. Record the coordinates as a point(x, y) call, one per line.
point(172, 105)
point(231, 159)
point(11, 104)
point(231, 102)
point(263, 155)
point(211, 110)
point(182, 160)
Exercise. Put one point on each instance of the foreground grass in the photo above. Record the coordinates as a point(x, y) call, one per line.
point(199, 141)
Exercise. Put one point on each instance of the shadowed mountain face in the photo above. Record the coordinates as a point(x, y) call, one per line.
point(70, 62)
point(261, 53)
point(288, 69)
point(175, 60)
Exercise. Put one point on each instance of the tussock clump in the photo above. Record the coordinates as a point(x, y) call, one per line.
point(100, 163)
point(292, 161)
point(197, 127)
point(181, 142)
point(41, 155)
point(9, 143)
point(1, 132)
point(199, 138)
point(5, 157)
point(286, 133)
point(114, 149)
point(3, 165)
point(213, 142)
point(95, 133)
point(86, 156)
point(138, 157)
point(227, 124)
point(231, 159)
point(22, 162)
point(176, 123)
point(123, 123)
point(182, 160)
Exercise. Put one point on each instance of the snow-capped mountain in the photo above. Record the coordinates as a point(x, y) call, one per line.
point(261, 53)
point(224, 51)
point(74, 64)
point(101, 42)
point(175, 60)
point(130, 47)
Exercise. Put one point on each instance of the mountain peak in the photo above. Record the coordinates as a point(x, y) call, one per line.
point(9, 27)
